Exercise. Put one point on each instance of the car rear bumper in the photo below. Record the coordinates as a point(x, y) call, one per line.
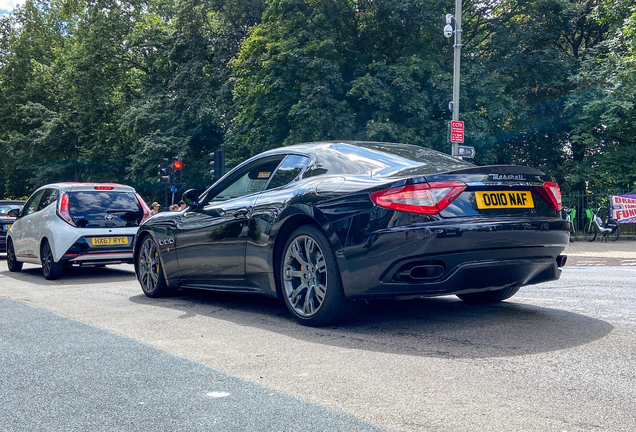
point(464, 277)
point(433, 260)
point(83, 253)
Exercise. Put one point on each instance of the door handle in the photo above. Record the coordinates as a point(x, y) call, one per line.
point(240, 213)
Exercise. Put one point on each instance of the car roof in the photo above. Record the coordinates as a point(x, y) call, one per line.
point(315, 148)
point(379, 159)
point(12, 202)
point(77, 186)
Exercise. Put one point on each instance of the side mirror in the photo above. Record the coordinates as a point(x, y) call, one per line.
point(191, 198)
point(13, 213)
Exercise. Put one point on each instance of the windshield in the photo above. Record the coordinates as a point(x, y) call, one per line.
point(4, 208)
point(105, 209)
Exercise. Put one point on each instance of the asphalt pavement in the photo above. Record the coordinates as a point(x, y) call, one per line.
point(59, 374)
point(91, 353)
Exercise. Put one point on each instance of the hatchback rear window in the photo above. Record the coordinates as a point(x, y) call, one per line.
point(105, 209)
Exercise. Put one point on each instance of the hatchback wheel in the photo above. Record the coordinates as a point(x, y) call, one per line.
point(12, 262)
point(148, 269)
point(50, 269)
point(311, 282)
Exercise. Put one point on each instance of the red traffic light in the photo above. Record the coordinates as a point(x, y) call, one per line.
point(177, 165)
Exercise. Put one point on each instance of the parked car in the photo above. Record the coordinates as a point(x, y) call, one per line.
point(66, 224)
point(325, 225)
point(6, 221)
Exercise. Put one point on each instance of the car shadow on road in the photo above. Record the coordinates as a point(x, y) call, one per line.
point(74, 275)
point(443, 327)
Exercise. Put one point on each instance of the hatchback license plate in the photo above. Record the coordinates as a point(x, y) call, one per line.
point(109, 241)
point(504, 199)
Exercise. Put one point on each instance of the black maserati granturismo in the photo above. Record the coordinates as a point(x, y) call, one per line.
point(325, 225)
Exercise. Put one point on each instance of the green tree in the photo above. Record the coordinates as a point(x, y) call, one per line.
point(602, 143)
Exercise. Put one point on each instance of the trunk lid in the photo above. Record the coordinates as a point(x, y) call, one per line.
point(501, 190)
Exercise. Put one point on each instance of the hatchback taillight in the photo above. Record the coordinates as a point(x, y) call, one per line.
point(423, 198)
point(144, 207)
point(552, 194)
point(62, 209)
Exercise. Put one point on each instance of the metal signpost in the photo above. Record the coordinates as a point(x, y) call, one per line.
point(457, 44)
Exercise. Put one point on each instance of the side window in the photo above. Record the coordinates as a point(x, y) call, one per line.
point(31, 205)
point(291, 167)
point(253, 179)
point(48, 197)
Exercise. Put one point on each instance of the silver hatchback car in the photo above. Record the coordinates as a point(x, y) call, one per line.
point(64, 224)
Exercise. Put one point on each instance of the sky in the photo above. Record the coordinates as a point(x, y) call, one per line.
point(7, 6)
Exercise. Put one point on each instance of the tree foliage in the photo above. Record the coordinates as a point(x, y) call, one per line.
point(95, 90)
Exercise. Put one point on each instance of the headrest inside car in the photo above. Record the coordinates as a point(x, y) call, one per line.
point(262, 172)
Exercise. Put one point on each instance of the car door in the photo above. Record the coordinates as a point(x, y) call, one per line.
point(210, 241)
point(24, 244)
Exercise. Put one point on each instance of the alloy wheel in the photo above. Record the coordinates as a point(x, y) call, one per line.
point(12, 261)
point(47, 258)
point(149, 265)
point(305, 276)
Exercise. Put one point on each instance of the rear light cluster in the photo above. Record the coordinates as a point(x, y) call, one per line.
point(62, 209)
point(552, 194)
point(432, 198)
point(144, 207)
point(423, 198)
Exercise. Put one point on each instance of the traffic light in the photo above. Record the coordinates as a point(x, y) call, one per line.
point(177, 169)
point(218, 163)
point(164, 171)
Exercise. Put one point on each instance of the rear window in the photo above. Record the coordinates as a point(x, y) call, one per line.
point(105, 209)
point(382, 160)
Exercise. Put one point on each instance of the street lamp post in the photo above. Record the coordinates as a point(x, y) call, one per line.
point(448, 32)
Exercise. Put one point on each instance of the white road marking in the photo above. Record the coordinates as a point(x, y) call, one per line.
point(218, 394)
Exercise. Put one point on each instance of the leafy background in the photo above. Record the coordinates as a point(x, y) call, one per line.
point(103, 90)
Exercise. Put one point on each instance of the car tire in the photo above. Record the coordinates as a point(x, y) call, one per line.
point(495, 296)
point(310, 280)
point(50, 269)
point(149, 271)
point(12, 262)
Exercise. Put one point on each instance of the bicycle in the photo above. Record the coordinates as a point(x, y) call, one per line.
point(570, 217)
point(610, 229)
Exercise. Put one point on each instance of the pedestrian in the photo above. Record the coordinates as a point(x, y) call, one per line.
point(174, 207)
point(182, 205)
point(155, 208)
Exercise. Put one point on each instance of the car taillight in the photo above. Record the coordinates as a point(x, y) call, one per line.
point(144, 207)
point(63, 209)
point(424, 198)
point(552, 194)
point(103, 188)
